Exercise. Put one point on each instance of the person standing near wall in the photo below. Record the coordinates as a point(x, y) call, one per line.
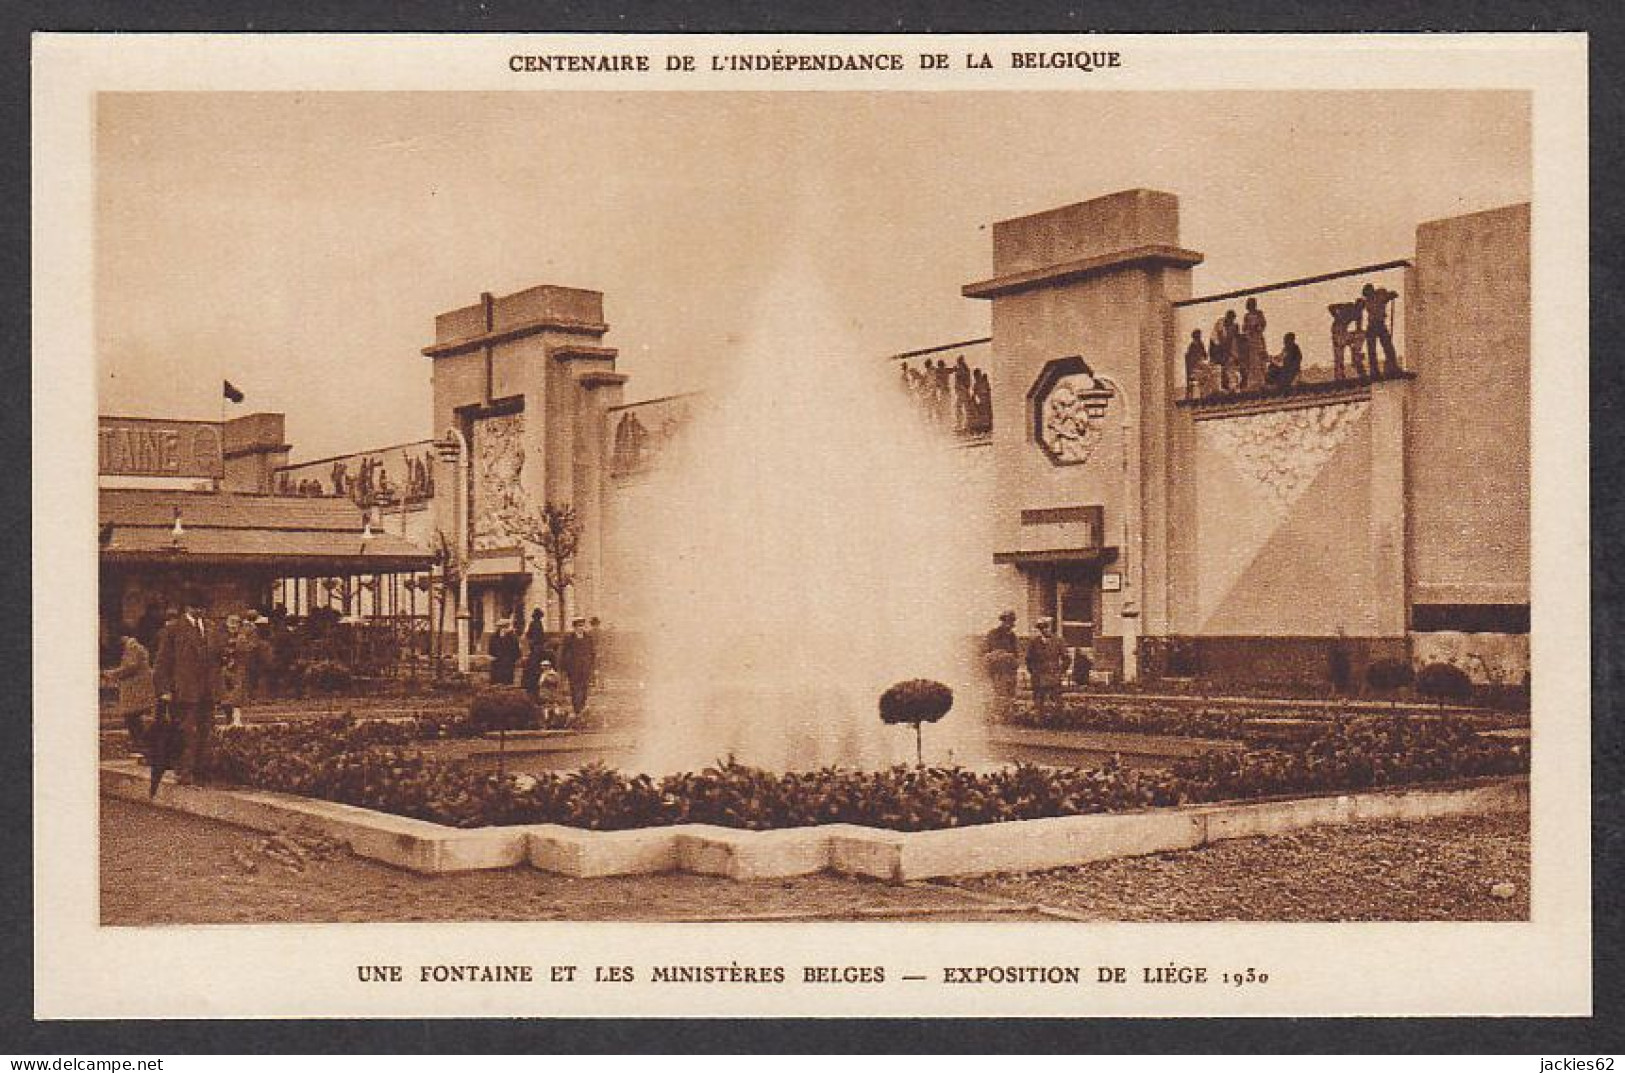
point(1001, 649)
point(1046, 664)
point(504, 651)
point(186, 676)
point(579, 655)
point(136, 697)
point(536, 632)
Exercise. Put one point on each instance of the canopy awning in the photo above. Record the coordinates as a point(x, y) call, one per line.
point(1084, 556)
point(289, 536)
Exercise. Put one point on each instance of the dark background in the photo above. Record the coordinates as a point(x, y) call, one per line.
point(1600, 1034)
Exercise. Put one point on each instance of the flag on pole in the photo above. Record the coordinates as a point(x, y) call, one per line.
point(232, 393)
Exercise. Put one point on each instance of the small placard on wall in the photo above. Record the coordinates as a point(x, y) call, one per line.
point(1111, 583)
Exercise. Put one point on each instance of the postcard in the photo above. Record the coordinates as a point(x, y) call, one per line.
point(930, 526)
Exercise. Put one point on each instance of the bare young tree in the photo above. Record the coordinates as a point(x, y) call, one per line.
point(556, 530)
point(451, 568)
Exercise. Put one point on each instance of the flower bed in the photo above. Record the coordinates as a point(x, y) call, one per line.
point(371, 765)
point(1138, 717)
point(1196, 720)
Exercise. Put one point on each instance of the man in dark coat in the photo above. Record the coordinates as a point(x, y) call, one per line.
point(1002, 638)
point(1001, 672)
point(504, 650)
point(186, 676)
point(1046, 663)
point(579, 655)
point(536, 632)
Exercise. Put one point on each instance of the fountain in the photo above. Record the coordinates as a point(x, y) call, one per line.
point(805, 544)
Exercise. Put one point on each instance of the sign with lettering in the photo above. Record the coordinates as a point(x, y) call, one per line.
point(139, 447)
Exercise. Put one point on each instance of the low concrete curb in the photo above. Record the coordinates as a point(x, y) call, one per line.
point(894, 856)
point(405, 843)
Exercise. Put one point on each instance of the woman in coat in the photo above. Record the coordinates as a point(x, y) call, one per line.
point(136, 698)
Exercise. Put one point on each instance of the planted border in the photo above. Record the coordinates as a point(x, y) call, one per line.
point(372, 766)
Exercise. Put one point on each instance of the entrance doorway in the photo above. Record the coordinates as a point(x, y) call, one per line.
point(1069, 593)
point(1072, 599)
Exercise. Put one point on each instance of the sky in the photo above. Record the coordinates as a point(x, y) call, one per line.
point(300, 245)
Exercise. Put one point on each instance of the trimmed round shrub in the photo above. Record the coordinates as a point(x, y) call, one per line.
point(918, 700)
point(502, 708)
point(1387, 675)
point(1444, 681)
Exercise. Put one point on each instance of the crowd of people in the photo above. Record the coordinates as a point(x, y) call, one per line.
point(955, 396)
point(539, 659)
point(170, 684)
point(1236, 356)
point(175, 658)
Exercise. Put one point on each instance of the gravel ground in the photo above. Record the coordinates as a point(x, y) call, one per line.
point(199, 878)
point(212, 873)
point(1428, 870)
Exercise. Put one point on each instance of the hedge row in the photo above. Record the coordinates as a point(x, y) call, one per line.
point(368, 765)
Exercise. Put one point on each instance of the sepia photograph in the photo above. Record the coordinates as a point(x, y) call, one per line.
point(799, 506)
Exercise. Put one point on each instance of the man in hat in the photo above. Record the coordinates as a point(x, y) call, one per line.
point(186, 676)
point(1002, 638)
point(579, 654)
point(1046, 663)
point(1000, 651)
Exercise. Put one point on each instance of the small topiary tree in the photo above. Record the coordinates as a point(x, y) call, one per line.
point(1444, 681)
point(1389, 676)
point(502, 708)
point(917, 701)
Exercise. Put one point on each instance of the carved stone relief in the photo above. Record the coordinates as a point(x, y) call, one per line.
point(498, 454)
point(1282, 451)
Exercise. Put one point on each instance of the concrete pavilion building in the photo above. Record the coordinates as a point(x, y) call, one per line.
point(1172, 527)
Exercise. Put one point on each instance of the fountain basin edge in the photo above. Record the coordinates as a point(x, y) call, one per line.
point(849, 849)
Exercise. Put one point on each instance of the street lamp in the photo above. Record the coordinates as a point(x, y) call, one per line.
point(454, 448)
point(1129, 611)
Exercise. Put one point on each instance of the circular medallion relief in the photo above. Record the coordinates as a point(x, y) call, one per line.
point(1065, 430)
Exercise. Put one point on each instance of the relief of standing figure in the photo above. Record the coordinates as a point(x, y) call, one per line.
point(1255, 353)
point(1346, 335)
point(1195, 365)
point(1224, 343)
point(962, 386)
point(1377, 301)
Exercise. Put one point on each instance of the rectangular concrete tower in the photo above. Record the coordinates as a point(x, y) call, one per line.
point(1082, 333)
point(526, 380)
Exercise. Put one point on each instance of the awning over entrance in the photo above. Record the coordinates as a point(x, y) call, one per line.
point(294, 536)
point(1080, 556)
point(501, 567)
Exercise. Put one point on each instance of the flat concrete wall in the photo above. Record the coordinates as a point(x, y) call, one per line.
point(1283, 513)
point(1468, 423)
